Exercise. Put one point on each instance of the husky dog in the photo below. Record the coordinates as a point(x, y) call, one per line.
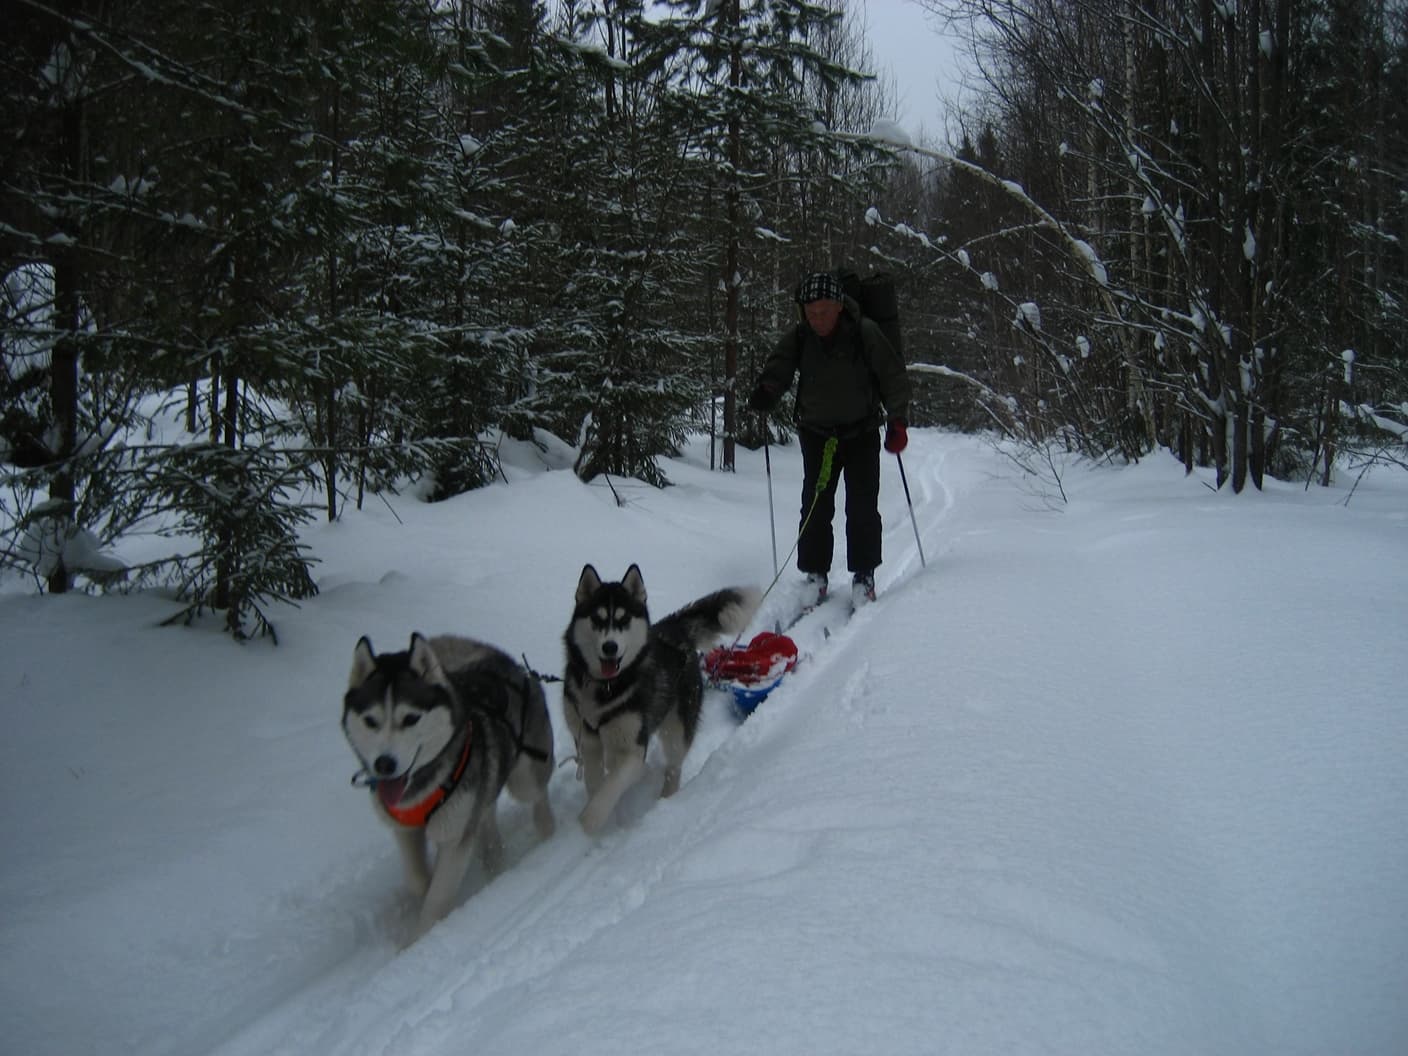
point(441, 729)
point(628, 679)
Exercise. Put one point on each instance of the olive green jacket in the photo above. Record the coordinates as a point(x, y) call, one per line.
point(849, 382)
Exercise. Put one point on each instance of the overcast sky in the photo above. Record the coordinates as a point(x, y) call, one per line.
point(924, 62)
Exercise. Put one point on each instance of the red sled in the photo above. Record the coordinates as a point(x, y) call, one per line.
point(750, 672)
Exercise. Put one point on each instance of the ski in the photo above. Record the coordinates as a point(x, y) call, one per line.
point(800, 615)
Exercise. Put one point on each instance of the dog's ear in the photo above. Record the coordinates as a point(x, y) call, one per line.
point(634, 582)
point(423, 661)
point(363, 662)
point(587, 585)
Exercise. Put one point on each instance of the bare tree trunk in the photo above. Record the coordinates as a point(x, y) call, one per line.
point(1256, 463)
point(63, 377)
point(217, 371)
point(1241, 424)
point(1328, 439)
point(330, 413)
point(731, 261)
point(63, 392)
point(330, 457)
point(225, 565)
point(365, 416)
point(1218, 436)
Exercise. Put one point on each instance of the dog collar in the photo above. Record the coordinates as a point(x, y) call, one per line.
point(417, 815)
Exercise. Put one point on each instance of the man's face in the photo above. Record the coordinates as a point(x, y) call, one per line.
point(822, 316)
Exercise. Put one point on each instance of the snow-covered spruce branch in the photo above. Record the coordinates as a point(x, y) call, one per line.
point(156, 67)
point(998, 407)
point(1002, 410)
point(1144, 172)
point(1392, 433)
point(1080, 250)
point(1026, 316)
point(1078, 247)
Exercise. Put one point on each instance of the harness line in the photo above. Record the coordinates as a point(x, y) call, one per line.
point(828, 453)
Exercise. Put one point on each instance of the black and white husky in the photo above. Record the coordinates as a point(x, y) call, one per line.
point(441, 729)
point(628, 679)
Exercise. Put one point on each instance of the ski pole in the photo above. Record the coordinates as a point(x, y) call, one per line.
point(772, 519)
point(828, 453)
point(915, 524)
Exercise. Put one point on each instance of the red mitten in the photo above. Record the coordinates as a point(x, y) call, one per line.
point(896, 436)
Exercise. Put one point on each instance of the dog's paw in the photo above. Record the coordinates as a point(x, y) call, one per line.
point(418, 932)
point(672, 784)
point(543, 819)
point(491, 854)
point(594, 818)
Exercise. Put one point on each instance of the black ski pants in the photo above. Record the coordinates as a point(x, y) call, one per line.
point(857, 458)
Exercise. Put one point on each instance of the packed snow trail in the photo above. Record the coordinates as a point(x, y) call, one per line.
point(1103, 778)
point(551, 901)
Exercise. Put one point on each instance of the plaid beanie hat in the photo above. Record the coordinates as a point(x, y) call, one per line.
point(819, 286)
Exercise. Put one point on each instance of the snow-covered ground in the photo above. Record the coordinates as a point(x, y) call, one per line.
point(1121, 776)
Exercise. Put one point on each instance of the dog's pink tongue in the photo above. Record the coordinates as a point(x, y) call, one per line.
point(610, 668)
point(390, 791)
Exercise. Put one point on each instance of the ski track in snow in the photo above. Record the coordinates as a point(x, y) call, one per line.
point(560, 898)
point(555, 899)
point(1043, 774)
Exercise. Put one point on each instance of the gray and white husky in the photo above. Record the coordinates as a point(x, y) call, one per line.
point(441, 729)
point(628, 679)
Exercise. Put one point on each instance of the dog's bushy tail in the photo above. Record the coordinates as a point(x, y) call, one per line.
point(701, 622)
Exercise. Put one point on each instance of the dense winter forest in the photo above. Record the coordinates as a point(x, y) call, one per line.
point(349, 246)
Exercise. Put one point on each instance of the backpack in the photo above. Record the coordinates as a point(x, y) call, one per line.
point(878, 301)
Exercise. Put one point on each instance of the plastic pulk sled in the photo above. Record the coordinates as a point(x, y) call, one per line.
point(750, 672)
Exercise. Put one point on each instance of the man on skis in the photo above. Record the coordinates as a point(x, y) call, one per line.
point(850, 382)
